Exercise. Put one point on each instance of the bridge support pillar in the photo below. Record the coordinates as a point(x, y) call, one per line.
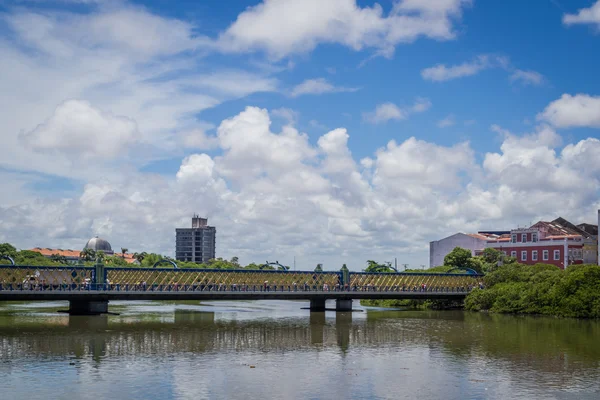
point(343, 305)
point(317, 304)
point(85, 307)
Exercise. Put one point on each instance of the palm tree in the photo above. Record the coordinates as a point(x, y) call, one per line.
point(87, 254)
point(123, 251)
point(59, 258)
point(140, 256)
point(100, 256)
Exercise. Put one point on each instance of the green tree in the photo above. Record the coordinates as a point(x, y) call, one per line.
point(116, 261)
point(492, 256)
point(7, 249)
point(59, 259)
point(29, 257)
point(140, 256)
point(88, 254)
point(462, 258)
point(123, 251)
point(374, 266)
point(100, 256)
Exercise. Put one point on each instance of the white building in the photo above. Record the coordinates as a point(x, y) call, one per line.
point(440, 248)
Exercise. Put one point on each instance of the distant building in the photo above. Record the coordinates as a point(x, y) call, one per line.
point(196, 244)
point(72, 256)
point(439, 249)
point(558, 242)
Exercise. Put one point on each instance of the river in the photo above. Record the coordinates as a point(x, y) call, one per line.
point(276, 349)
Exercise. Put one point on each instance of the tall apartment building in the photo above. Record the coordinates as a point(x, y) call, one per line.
point(196, 244)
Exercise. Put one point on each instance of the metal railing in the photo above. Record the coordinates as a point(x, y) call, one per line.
point(118, 287)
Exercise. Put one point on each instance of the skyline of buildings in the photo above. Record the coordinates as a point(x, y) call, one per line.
point(558, 242)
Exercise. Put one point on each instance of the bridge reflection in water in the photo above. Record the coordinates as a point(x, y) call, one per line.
point(110, 337)
point(131, 354)
point(89, 289)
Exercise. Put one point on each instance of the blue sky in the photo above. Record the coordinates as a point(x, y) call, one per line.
point(333, 132)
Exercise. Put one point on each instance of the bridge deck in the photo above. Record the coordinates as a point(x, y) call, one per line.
point(104, 295)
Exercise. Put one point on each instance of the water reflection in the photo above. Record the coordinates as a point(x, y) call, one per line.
point(385, 354)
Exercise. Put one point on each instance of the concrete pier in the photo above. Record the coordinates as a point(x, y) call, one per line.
point(343, 305)
point(84, 307)
point(317, 304)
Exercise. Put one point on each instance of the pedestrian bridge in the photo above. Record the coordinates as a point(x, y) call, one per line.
point(89, 289)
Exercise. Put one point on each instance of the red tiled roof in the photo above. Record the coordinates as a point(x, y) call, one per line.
point(47, 252)
point(554, 229)
point(478, 236)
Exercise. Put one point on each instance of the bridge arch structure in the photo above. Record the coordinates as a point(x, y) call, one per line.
point(279, 267)
point(9, 258)
point(165, 261)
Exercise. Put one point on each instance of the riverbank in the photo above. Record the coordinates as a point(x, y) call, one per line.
point(414, 304)
point(539, 289)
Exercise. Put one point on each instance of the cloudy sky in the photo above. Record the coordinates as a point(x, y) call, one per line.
point(334, 131)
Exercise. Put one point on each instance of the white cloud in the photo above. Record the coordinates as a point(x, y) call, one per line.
point(421, 104)
point(232, 83)
point(580, 110)
point(122, 60)
point(251, 149)
point(80, 130)
point(318, 86)
point(389, 111)
point(385, 112)
point(441, 72)
point(419, 161)
point(589, 15)
point(198, 139)
point(285, 27)
point(274, 194)
point(289, 115)
point(527, 77)
point(124, 29)
point(446, 122)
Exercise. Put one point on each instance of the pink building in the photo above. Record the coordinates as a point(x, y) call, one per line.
point(558, 242)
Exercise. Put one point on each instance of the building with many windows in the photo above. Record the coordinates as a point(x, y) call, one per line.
point(196, 244)
point(558, 242)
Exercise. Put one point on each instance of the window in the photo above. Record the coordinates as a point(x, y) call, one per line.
point(524, 255)
point(534, 255)
point(513, 238)
point(534, 237)
point(545, 255)
point(513, 254)
point(556, 255)
point(523, 237)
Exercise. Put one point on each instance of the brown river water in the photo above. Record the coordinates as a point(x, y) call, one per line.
point(276, 349)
